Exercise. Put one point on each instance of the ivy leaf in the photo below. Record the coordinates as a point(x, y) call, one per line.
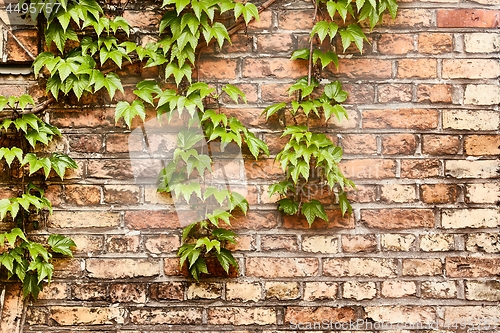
point(219, 32)
point(55, 33)
point(199, 266)
point(224, 235)
point(256, 145)
point(226, 259)
point(353, 33)
point(36, 249)
point(187, 230)
point(270, 110)
point(30, 285)
point(61, 244)
point(43, 269)
point(249, 11)
point(7, 261)
point(209, 244)
point(179, 73)
point(61, 162)
point(338, 110)
point(300, 54)
point(323, 29)
point(3, 102)
point(234, 92)
point(129, 111)
point(313, 209)
point(11, 154)
point(282, 188)
point(326, 58)
point(36, 163)
point(186, 139)
point(345, 205)
point(41, 60)
point(14, 234)
point(288, 206)
point(238, 200)
point(146, 89)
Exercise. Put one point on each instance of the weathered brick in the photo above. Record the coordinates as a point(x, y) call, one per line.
point(482, 290)
point(472, 315)
point(88, 243)
point(368, 168)
point(204, 290)
point(417, 68)
point(482, 42)
point(151, 219)
point(281, 267)
point(295, 315)
point(359, 144)
point(128, 293)
point(437, 242)
point(122, 268)
point(470, 218)
point(110, 169)
point(123, 244)
point(359, 243)
point(18, 41)
point(401, 118)
point(435, 43)
point(55, 290)
point(362, 193)
point(363, 68)
point(79, 315)
point(397, 289)
point(279, 68)
point(399, 144)
point(434, 93)
point(83, 195)
point(422, 267)
point(482, 94)
point(482, 193)
point(243, 291)
point(282, 290)
point(241, 316)
point(436, 289)
point(470, 68)
point(398, 193)
point(162, 243)
point(274, 43)
point(440, 144)
point(83, 219)
point(321, 244)
point(397, 242)
point(288, 243)
point(296, 20)
point(398, 218)
point(395, 44)
point(359, 290)
point(479, 145)
point(89, 291)
point(320, 291)
point(335, 220)
point(439, 193)
point(401, 314)
point(483, 242)
point(417, 168)
point(472, 267)
point(122, 194)
point(471, 120)
point(167, 291)
point(467, 18)
point(170, 316)
point(214, 69)
point(123, 143)
point(377, 267)
point(394, 93)
point(85, 143)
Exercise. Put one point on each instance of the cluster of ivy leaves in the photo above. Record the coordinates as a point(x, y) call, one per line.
point(307, 151)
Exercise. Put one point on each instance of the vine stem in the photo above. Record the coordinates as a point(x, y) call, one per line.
point(309, 72)
point(37, 109)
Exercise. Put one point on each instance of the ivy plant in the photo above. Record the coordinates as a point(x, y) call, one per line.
point(310, 156)
point(27, 260)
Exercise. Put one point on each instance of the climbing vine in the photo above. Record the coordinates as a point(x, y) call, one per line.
point(85, 46)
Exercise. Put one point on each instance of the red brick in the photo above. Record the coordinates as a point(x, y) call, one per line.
point(123, 143)
point(110, 169)
point(279, 68)
point(417, 68)
point(142, 18)
point(83, 118)
point(482, 145)
point(215, 69)
point(87, 143)
point(162, 243)
point(296, 20)
point(362, 193)
point(273, 92)
point(420, 168)
point(239, 43)
point(166, 316)
point(359, 93)
point(26, 39)
point(151, 219)
point(123, 244)
point(358, 144)
point(440, 144)
point(121, 194)
point(128, 293)
point(83, 195)
point(422, 267)
point(368, 168)
point(401, 118)
point(263, 169)
point(434, 93)
point(363, 68)
point(89, 291)
point(398, 218)
point(359, 243)
point(169, 291)
point(399, 144)
point(467, 18)
point(254, 220)
point(288, 243)
point(395, 44)
point(394, 93)
point(122, 268)
point(281, 267)
point(470, 68)
point(469, 267)
point(335, 220)
point(274, 43)
point(409, 18)
point(435, 43)
point(439, 193)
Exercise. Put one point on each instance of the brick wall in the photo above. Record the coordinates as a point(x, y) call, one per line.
point(421, 143)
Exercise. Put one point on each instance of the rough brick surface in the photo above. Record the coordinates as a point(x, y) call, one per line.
point(421, 144)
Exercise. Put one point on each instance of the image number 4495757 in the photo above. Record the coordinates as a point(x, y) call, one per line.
point(24, 8)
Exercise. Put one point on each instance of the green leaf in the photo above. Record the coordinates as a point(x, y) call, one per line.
point(353, 33)
point(36, 249)
point(61, 162)
point(219, 32)
point(313, 209)
point(187, 230)
point(288, 206)
point(334, 91)
point(43, 269)
point(234, 92)
point(36, 163)
point(209, 244)
point(345, 205)
point(11, 154)
point(225, 235)
point(198, 267)
point(270, 110)
point(31, 285)
point(300, 54)
point(55, 33)
point(187, 139)
point(130, 111)
point(281, 188)
point(7, 261)
point(14, 234)
point(255, 145)
point(326, 58)
point(226, 259)
point(61, 244)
